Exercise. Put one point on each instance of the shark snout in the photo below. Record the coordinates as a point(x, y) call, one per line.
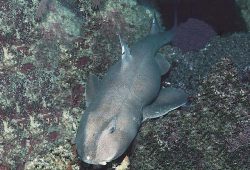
point(90, 160)
point(101, 155)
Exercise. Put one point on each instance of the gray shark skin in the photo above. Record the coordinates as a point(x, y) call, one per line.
point(127, 95)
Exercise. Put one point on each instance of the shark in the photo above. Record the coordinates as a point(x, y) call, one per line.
point(127, 95)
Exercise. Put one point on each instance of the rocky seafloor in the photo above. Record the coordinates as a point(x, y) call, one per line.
point(48, 48)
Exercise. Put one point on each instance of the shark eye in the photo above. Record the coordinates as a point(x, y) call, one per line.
point(112, 129)
point(112, 126)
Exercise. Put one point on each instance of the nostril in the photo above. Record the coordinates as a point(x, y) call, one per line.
point(112, 129)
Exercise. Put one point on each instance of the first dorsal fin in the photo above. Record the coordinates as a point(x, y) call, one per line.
point(126, 56)
point(155, 27)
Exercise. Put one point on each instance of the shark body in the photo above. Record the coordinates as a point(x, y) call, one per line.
point(127, 95)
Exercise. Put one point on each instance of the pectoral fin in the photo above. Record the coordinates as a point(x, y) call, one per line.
point(167, 100)
point(92, 86)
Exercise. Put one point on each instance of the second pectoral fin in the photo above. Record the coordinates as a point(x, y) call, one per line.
point(167, 100)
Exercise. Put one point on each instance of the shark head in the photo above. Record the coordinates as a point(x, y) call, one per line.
point(103, 140)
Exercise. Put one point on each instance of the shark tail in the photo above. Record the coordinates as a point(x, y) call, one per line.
point(160, 38)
